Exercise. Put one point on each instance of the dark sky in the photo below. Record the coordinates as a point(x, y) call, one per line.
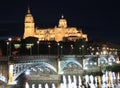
point(100, 19)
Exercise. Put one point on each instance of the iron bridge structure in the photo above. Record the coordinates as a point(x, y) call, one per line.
point(51, 69)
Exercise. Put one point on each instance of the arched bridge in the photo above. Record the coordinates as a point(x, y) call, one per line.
point(51, 66)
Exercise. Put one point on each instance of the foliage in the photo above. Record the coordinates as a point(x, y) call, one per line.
point(114, 68)
point(95, 73)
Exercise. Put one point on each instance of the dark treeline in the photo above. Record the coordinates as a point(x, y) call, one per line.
point(31, 46)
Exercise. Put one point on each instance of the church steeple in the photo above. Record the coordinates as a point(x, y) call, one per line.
point(62, 16)
point(29, 25)
point(28, 10)
point(29, 17)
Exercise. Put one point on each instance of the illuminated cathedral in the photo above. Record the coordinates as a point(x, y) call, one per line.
point(58, 33)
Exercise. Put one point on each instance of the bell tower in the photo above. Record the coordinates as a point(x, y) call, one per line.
point(62, 22)
point(60, 31)
point(29, 25)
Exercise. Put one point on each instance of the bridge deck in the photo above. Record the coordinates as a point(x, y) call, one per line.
point(28, 57)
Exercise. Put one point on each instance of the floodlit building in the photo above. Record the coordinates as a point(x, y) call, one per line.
point(59, 33)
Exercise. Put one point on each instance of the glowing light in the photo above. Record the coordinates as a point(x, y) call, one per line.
point(27, 85)
point(117, 61)
point(90, 63)
point(104, 52)
point(11, 69)
point(110, 63)
point(97, 53)
point(86, 63)
point(39, 86)
point(10, 39)
point(85, 68)
point(28, 46)
point(33, 85)
point(27, 72)
point(102, 62)
point(95, 63)
point(82, 46)
point(17, 46)
point(53, 85)
point(46, 85)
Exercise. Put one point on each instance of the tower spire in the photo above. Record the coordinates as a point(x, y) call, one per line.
point(62, 22)
point(28, 9)
point(62, 16)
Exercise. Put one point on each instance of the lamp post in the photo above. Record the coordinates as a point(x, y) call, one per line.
point(80, 50)
point(49, 49)
point(61, 49)
point(7, 48)
point(58, 48)
point(71, 49)
point(9, 39)
point(38, 47)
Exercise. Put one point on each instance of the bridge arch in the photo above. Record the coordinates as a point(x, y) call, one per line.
point(68, 63)
point(111, 59)
point(90, 62)
point(23, 67)
point(103, 60)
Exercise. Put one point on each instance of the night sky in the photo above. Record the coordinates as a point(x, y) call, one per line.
point(100, 19)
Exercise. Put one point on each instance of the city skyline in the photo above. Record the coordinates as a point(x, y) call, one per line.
point(98, 19)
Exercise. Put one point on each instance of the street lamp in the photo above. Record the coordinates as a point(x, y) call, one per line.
point(58, 48)
point(9, 43)
point(92, 51)
point(104, 52)
point(7, 48)
point(49, 49)
point(97, 53)
point(80, 50)
point(71, 49)
point(61, 49)
point(38, 47)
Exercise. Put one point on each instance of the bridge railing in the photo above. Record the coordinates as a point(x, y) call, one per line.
point(34, 57)
point(28, 57)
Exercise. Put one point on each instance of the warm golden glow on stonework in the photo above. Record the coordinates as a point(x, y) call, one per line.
point(57, 33)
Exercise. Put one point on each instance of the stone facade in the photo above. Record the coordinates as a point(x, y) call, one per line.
point(58, 33)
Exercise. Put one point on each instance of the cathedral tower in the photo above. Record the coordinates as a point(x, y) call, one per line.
point(29, 25)
point(60, 30)
point(62, 22)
